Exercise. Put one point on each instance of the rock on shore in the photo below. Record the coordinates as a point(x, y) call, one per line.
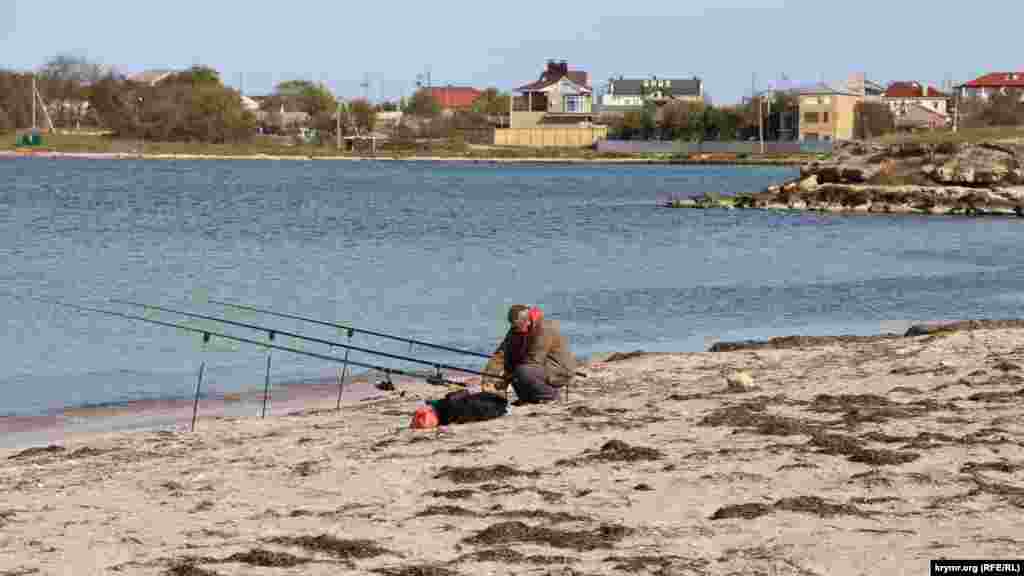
point(909, 178)
point(944, 178)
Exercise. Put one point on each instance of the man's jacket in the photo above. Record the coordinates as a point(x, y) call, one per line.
point(546, 347)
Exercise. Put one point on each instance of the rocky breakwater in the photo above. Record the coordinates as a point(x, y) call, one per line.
point(914, 178)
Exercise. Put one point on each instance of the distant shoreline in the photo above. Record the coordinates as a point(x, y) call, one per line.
point(49, 154)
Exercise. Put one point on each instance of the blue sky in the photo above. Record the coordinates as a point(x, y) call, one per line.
point(505, 44)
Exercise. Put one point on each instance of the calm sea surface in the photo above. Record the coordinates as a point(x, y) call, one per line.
point(438, 251)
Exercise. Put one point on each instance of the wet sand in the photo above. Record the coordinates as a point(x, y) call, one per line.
point(857, 456)
point(176, 414)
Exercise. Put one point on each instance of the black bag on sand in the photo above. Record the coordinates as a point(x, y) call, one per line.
point(464, 406)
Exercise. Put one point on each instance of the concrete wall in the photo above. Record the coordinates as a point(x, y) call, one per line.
point(569, 137)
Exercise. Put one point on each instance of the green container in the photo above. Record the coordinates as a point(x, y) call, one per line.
point(30, 139)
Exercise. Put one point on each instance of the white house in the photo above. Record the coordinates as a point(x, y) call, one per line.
point(903, 97)
point(633, 93)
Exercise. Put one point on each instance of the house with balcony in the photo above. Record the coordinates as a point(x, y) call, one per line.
point(925, 103)
point(626, 94)
point(994, 83)
point(560, 97)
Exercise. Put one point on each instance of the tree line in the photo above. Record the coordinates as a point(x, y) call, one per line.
point(195, 105)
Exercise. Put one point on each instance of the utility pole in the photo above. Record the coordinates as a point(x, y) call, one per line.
point(338, 128)
point(956, 112)
point(760, 116)
point(33, 101)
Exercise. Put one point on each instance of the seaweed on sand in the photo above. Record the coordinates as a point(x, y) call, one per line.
point(479, 474)
point(605, 536)
point(840, 445)
point(745, 511)
point(446, 510)
point(1006, 467)
point(662, 564)
point(803, 504)
point(187, 568)
point(267, 558)
point(615, 451)
point(417, 570)
point(452, 494)
point(817, 506)
point(337, 547)
point(553, 517)
point(37, 451)
point(865, 408)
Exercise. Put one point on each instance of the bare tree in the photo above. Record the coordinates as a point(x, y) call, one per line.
point(64, 81)
point(363, 114)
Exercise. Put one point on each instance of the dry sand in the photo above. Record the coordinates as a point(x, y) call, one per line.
point(871, 456)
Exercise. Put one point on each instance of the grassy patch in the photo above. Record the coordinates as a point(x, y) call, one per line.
point(965, 136)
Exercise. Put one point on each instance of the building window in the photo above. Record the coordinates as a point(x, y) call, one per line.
point(825, 117)
point(573, 104)
point(810, 117)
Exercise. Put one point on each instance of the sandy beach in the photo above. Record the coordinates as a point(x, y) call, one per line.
point(838, 457)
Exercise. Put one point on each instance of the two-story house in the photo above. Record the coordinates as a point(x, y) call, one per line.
point(827, 113)
point(624, 94)
point(559, 97)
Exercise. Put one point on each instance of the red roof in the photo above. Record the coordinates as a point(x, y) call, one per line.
point(912, 90)
point(455, 96)
point(998, 80)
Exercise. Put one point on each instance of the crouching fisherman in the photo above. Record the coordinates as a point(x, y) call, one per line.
point(534, 357)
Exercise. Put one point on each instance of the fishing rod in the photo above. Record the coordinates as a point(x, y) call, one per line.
point(207, 333)
point(274, 331)
point(353, 330)
point(350, 328)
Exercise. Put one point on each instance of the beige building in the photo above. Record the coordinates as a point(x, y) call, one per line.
point(827, 113)
point(559, 97)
